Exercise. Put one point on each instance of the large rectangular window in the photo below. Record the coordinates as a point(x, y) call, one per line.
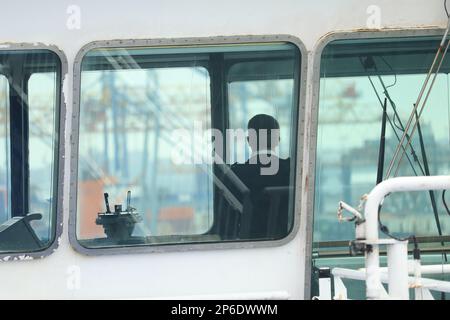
point(359, 78)
point(165, 149)
point(29, 109)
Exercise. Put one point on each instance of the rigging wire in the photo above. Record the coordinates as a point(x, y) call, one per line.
point(370, 62)
point(417, 124)
point(394, 107)
point(424, 92)
point(427, 173)
point(391, 123)
point(401, 127)
point(385, 117)
point(384, 228)
point(387, 94)
point(392, 69)
point(445, 202)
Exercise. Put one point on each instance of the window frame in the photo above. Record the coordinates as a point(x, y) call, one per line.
point(179, 42)
point(320, 46)
point(59, 155)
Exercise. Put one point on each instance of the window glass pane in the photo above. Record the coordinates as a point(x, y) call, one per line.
point(41, 94)
point(130, 148)
point(150, 122)
point(5, 173)
point(349, 132)
point(29, 96)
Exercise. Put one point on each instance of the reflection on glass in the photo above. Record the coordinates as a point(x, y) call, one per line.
point(42, 105)
point(5, 174)
point(156, 135)
point(349, 131)
point(126, 144)
point(29, 97)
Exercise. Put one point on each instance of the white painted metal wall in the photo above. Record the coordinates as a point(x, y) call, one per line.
point(264, 273)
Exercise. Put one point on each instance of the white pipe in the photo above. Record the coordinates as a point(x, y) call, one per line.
point(374, 199)
point(373, 281)
point(349, 274)
point(350, 209)
point(418, 291)
point(397, 258)
point(429, 269)
point(431, 284)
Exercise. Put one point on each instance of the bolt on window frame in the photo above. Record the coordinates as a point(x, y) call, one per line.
point(300, 92)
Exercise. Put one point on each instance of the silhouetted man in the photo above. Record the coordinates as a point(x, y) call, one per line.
point(267, 178)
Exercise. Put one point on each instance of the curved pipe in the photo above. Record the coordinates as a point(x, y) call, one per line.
point(374, 199)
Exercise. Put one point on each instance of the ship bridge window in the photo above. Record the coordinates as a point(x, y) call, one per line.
point(358, 78)
point(29, 109)
point(165, 139)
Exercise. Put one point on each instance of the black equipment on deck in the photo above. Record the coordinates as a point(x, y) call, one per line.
point(118, 225)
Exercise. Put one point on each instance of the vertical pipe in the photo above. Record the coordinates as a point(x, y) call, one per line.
point(418, 291)
point(373, 279)
point(397, 255)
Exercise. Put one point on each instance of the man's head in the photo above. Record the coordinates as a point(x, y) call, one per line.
point(264, 133)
